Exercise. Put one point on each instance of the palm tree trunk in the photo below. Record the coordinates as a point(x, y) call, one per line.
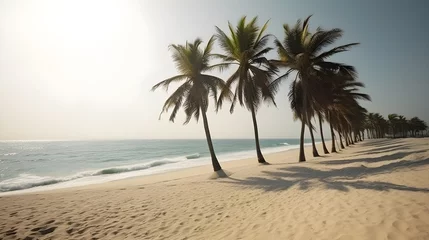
point(325, 150)
point(215, 162)
point(346, 139)
point(261, 158)
point(304, 118)
point(341, 141)
point(315, 153)
point(333, 149)
point(351, 138)
point(301, 143)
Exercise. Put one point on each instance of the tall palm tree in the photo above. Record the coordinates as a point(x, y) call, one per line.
point(321, 117)
point(296, 103)
point(301, 52)
point(193, 95)
point(245, 47)
point(339, 96)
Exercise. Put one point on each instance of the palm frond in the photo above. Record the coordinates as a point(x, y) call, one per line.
point(165, 83)
point(334, 51)
point(321, 39)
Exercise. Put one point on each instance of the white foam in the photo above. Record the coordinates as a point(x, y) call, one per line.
point(32, 183)
point(10, 154)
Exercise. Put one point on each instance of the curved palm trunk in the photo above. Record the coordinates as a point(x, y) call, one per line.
point(346, 139)
point(351, 138)
point(315, 152)
point(215, 162)
point(301, 143)
point(333, 149)
point(341, 141)
point(261, 158)
point(304, 118)
point(325, 150)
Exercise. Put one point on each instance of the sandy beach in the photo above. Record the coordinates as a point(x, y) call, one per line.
point(376, 189)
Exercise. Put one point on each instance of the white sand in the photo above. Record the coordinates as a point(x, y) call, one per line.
point(377, 189)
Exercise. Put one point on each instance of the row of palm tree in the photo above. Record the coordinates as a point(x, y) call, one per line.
point(395, 125)
point(328, 90)
point(320, 88)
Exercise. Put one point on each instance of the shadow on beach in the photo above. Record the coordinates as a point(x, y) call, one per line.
point(338, 179)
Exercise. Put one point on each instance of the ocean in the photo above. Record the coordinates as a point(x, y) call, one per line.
point(39, 165)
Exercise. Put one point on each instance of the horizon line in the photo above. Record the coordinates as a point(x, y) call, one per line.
point(130, 139)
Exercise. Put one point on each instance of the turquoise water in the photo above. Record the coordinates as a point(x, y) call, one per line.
point(30, 164)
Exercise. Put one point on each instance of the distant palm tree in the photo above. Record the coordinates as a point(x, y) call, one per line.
point(339, 95)
point(301, 52)
point(402, 121)
point(378, 125)
point(393, 122)
point(245, 47)
point(193, 94)
point(417, 125)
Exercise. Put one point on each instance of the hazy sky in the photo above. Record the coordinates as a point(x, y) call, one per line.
point(83, 69)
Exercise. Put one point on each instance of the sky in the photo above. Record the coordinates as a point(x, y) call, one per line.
point(83, 69)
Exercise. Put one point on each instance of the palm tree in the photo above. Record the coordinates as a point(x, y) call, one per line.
point(193, 94)
point(301, 52)
point(245, 47)
point(296, 103)
point(338, 97)
point(321, 117)
point(393, 122)
point(371, 124)
point(402, 121)
point(416, 125)
point(378, 125)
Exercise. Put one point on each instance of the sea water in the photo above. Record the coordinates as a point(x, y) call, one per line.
point(39, 165)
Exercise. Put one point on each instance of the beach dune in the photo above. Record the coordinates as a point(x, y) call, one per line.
point(376, 189)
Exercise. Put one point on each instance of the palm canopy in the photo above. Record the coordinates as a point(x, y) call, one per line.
point(193, 94)
point(393, 117)
point(245, 47)
point(301, 51)
point(340, 95)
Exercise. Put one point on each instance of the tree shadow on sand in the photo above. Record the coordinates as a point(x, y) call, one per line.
point(377, 150)
point(380, 143)
point(390, 157)
point(338, 179)
point(382, 151)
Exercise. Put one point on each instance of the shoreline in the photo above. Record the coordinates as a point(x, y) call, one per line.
point(205, 167)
